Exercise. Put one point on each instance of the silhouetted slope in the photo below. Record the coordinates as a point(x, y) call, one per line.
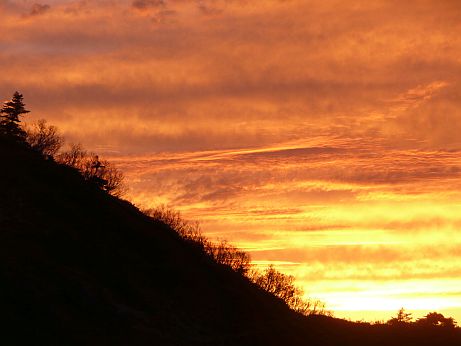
point(79, 267)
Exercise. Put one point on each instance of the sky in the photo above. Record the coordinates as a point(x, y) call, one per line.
point(322, 136)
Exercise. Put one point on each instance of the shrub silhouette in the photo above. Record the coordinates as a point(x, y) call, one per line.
point(221, 252)
point(172, 218)
point(44, 138)
point(436, 319)
point(98, 172)
point(283, 287)
point(278, 284)
point(73, 157)
point(227, 254)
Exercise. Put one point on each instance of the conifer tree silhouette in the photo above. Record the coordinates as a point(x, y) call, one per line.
point(9, 116)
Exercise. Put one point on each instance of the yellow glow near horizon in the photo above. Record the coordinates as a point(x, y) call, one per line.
point(382, 248)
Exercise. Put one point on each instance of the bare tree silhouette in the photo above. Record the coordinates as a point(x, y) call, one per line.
point(271, 280)
point(44, 138)
point(99, 172)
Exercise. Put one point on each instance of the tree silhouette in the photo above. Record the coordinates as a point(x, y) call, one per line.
point(437, 319)
point(402, 317)
point(229, 255)
point(98, 172)
point(9, 116)
point(44, 138)
point(272, 281)
point(278, 284)
point(221, 252)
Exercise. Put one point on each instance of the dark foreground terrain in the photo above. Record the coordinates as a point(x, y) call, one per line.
point(80, 267)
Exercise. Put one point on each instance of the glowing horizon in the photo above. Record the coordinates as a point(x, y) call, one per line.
point(319, 136)
point(346, 247)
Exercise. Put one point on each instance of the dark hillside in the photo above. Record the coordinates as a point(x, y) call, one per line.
point(79, 267)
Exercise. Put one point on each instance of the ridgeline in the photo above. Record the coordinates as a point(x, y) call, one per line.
point(79, 266)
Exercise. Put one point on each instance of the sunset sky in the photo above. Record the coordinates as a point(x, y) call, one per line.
point(322, 136)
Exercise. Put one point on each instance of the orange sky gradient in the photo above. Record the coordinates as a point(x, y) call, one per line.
point(321, 136)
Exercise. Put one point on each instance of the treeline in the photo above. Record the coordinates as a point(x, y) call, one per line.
point(46, 141)
point(433, 319)
point(221, 252)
